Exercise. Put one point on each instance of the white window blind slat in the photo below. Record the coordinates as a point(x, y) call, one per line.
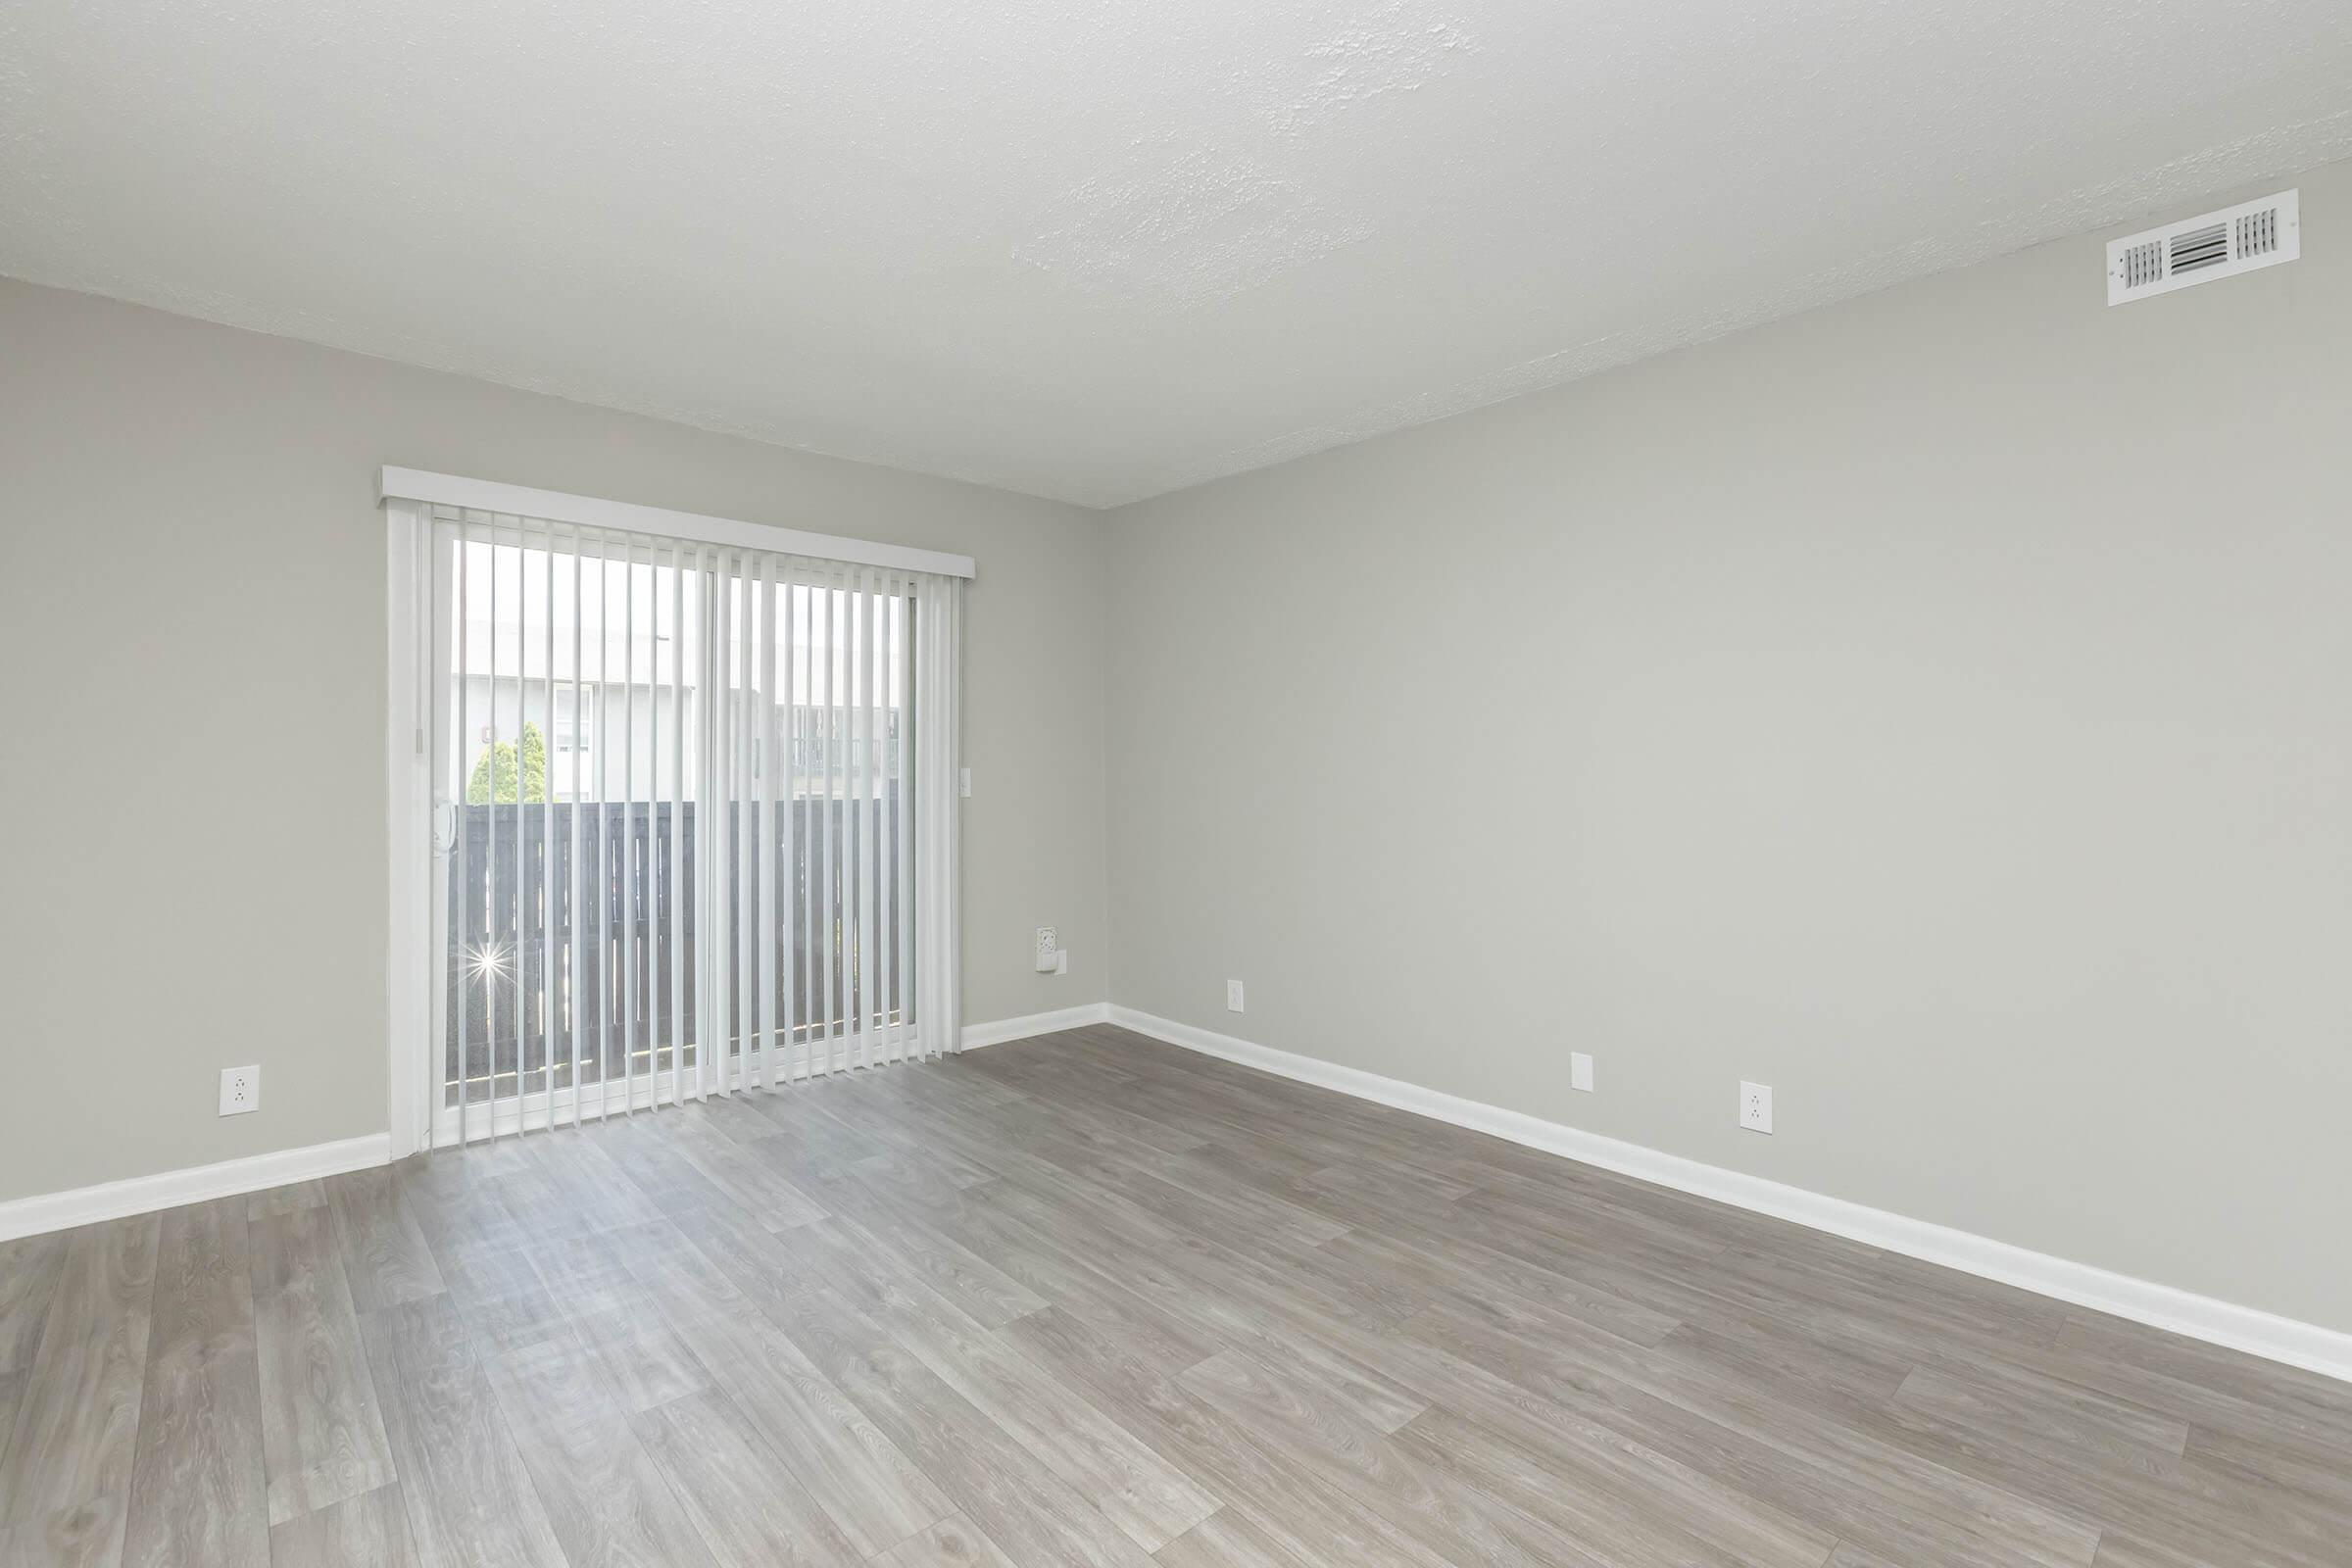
point(852, 837)
point(766, 793)
point(885, 808)
point(574, 931)
point(792, 931)
point(600, 996)
point(462, 925)
point(637, 825)
point(827, 903)
point(493, 959)
point(542, 894)
point(518, 1013)
point(873, 799)
point(674, 886)
point(741, 819)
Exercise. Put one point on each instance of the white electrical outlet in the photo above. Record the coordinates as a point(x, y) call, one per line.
point(1061, 960)
point(963, 782)
point(1755, 1107)
point(1047, 951)
point(1580, 1071)
point(1233, 995)
point(240, 1089)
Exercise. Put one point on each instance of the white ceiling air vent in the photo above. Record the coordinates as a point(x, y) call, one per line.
point(2198, 250)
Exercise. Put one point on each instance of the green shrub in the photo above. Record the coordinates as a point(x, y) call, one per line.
point(499, 763)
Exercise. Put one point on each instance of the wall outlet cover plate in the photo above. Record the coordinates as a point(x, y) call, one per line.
point(240, 1089)
point(1755, 1107)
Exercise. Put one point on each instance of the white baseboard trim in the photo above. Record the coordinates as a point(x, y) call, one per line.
point(2200, 1317)
point(143, 1194)
point(168, 1189)
point(976, 1035)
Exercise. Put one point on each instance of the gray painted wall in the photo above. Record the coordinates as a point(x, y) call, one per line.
point(1933, 706)
point(192, 641)
point(1938, 707)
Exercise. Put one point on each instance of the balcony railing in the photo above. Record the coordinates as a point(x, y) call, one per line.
point(610, 985)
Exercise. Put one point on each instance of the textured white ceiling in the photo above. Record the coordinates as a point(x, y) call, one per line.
point(1099, 250)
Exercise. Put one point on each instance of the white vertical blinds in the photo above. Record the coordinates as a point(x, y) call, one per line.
point(696, 829)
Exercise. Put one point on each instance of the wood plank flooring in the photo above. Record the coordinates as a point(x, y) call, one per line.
point(1091, 1301)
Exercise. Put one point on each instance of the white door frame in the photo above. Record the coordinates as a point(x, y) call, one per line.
point(409, 987)
point(416, 976)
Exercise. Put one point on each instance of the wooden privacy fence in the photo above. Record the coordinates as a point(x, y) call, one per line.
point(511, 907)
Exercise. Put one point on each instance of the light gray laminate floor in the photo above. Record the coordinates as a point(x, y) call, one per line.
point(1087, 1300)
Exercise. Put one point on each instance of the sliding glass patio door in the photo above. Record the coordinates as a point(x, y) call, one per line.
point(690, 827)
